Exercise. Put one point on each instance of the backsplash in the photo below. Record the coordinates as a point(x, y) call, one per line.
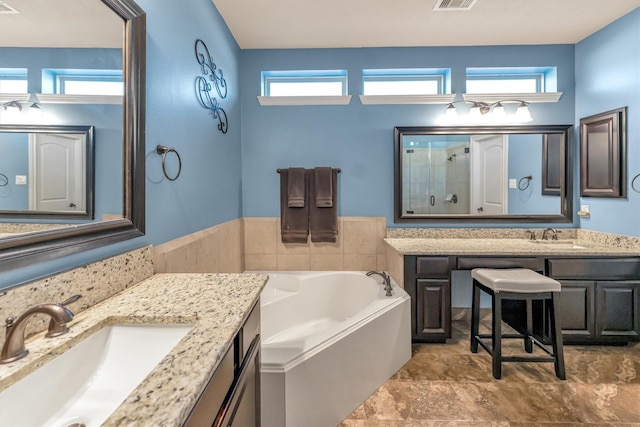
point(609, 239)
point(95, 282)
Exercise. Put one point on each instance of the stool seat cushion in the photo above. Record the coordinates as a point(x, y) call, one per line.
point(519, 280)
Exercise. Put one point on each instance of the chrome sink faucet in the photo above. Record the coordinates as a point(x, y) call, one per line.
point(387, 281)
point(13, 348)
point(554, 236)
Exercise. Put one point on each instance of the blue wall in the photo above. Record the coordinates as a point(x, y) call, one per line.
point(608, 77)
point(208, 191)
point(222, 180)
point(359, 138)
point(106, 118)
point(525, 159)
point(14, 160)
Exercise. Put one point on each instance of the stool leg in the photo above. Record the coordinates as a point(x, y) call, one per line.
point(528, 345)
point(556, 337)
point(496, 335)
point(475, 317)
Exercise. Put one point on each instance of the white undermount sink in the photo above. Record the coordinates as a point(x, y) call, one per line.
point(86, 383)
point(560, 244)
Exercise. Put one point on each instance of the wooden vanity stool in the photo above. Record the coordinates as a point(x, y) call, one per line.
point(516, 284)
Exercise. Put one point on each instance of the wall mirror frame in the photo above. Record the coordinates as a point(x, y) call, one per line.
point(563, 134)
point(26, 249)
point(79, 138)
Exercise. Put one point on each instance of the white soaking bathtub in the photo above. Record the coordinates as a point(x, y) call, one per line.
point(329, 340)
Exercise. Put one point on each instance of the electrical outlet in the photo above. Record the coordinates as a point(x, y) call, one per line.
point(21, 180)
point(512, 183)
point(584, 208)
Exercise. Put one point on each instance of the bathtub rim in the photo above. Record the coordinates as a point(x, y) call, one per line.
point(400, 297)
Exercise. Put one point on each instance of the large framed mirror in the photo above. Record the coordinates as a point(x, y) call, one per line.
point(483, 174)
point(53, 170)
point(54, 240)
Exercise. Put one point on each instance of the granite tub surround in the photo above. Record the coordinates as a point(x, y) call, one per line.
point(95, 282)
point(215, 304)
point(447, 385)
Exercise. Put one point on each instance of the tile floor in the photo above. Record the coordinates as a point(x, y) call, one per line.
point(447, 385)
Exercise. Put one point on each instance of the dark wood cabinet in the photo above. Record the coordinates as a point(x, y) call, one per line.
point(427, 281)
point(599, 302)
point(577, 309)
point(433, 309)
point(603, 155)
point(232, 395)
point(618, 310)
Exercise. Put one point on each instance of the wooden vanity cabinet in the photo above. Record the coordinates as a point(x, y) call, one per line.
point(428, 282)
point(232, 395)
point(599, 302)
point(600, 299)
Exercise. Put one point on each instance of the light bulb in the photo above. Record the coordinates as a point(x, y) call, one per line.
point(523, 115)
point(498, 113)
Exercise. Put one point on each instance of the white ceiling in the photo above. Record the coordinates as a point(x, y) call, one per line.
point(60, 23)
point(269, 24)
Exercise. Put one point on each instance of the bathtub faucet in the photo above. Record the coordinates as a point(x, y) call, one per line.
point(387, 281)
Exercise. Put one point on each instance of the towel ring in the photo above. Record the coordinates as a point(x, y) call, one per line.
point(164, 150)
point(3, 180)
point(524, 185)
point(633, 183)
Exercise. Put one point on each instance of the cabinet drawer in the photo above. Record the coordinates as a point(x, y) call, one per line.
point(433, 267)
point(469, 263)
point(209, 403)
point(595, 268)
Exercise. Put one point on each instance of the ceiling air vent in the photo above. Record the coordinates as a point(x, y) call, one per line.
point(452, 5)
point(5, 8)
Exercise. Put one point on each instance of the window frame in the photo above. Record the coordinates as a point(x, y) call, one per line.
point(304, 76)
point(541, 75)
point(439, 75)
point(55, 79)
point(15, 74)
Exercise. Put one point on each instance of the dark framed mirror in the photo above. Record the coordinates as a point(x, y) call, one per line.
point(53, 170)
point(25, 249)
point(483, 174)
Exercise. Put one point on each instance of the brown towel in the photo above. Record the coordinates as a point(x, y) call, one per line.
point(324, 194)
point(294, 222)
point(297, 188)
point(323, 222)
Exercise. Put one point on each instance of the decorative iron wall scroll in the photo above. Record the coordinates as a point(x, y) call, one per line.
point(212, 77)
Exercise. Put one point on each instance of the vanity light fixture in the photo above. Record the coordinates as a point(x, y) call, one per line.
point(493, 112)
point(22, 105)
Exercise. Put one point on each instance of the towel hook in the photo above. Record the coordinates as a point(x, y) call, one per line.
point(164, 150)
point(3, 180)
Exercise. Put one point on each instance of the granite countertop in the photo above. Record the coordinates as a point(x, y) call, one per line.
point(215, 304)
point(502, 247)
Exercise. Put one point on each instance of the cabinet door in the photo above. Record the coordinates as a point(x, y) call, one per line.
point(433, 316)
point(577, 309)
point(618, 309)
